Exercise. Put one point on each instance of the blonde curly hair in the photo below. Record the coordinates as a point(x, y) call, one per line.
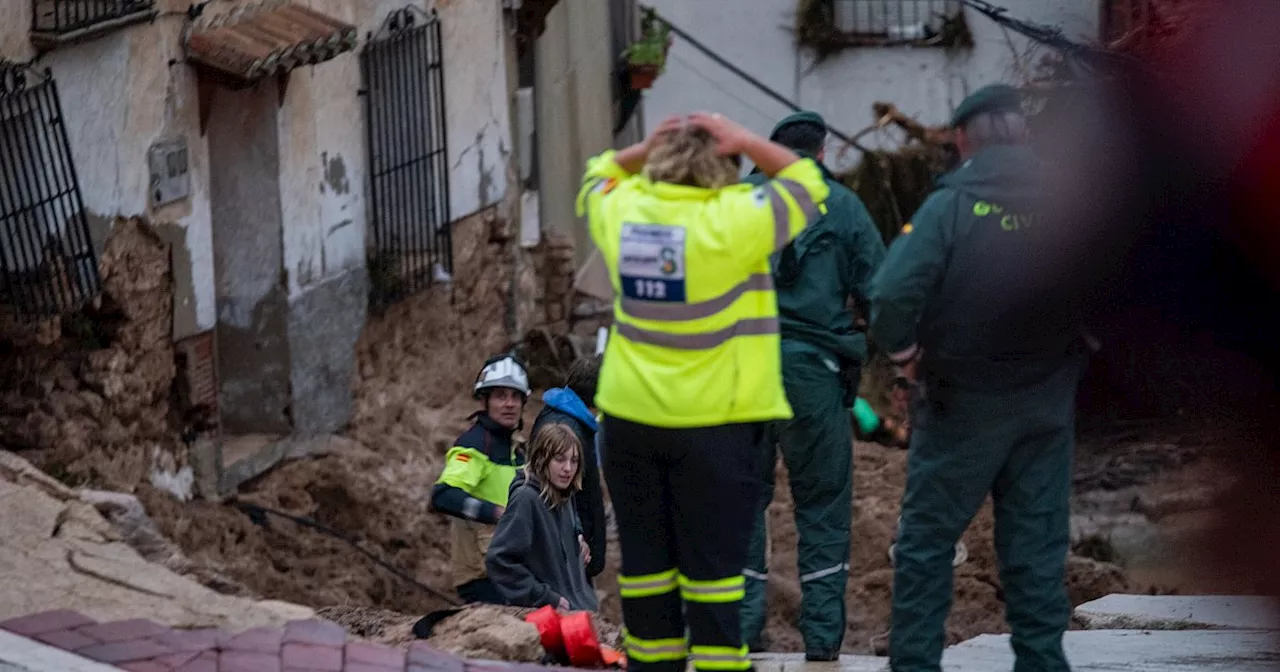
point(689, 157)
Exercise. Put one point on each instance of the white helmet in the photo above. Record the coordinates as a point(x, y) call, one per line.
point(502, 371)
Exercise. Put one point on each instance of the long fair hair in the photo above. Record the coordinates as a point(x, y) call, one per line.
point(689, 157)
point(551, 441)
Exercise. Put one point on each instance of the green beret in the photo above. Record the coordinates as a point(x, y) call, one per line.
point(994, 98)
point(804, 117)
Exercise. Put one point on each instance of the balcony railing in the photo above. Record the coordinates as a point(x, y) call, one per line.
point(55, 22)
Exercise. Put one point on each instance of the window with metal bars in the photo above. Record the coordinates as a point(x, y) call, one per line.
point(893, 21)
point(47, 260)
point(57, 21)
point(403, 69)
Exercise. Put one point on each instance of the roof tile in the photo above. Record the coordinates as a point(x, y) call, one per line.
point(269, 38)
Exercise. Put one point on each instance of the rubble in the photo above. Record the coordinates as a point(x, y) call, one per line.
point(488, 633)
point(879, 476)
point(59, 552)
point(91, 406)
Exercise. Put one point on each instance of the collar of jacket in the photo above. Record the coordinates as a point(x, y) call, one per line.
point(826, 172)
point(493, 426)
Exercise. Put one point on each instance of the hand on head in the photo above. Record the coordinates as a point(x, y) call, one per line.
point(731, 137)
point(669, 125)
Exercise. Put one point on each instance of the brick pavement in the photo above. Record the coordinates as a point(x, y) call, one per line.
point(140, 645)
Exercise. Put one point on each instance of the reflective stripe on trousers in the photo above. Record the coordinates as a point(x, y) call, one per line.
point(647, 585)
point(716, 591)
point(822, 573)
point(655, 650)
point(719, 658)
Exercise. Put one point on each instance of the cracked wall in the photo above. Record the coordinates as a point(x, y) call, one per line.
point(284, 282)
point(476, 103)
point(924, 82)
point(120, 96)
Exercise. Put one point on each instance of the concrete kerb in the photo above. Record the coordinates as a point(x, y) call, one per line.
point(1178, 612)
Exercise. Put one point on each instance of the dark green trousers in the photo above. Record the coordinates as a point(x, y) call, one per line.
point(817, 449)
point(1018, 448)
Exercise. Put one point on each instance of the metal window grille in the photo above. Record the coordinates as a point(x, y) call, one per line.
point(46, 255)
point(403, 67)
point(65, 16)
point(893, 20)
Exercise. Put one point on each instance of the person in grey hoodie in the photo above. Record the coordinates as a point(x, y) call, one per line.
point(571, 406)
point(537, 555)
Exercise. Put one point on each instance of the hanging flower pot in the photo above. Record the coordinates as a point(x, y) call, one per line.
point(642, 76)
point(647, 56)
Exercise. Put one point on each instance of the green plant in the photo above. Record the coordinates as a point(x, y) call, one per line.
point(651, 48)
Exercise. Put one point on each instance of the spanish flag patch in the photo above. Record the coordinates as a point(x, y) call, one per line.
point(608, 185)
point(462, 457)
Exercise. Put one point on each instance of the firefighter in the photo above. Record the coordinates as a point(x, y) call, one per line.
point(817, 276)
point(990, 341)
point(691, 371)
point(478, 471)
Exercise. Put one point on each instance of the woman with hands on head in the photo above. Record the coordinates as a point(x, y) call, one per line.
point(692, 370)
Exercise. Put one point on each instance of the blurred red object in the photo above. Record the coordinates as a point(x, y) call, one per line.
point(571, 638)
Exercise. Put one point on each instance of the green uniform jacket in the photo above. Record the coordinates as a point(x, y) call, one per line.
point(826, 264)
point(968, 281)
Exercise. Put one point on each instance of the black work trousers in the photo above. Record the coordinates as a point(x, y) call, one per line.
point(684, 500)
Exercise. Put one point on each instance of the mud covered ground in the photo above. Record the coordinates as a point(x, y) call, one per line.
point(416, 363)
point(379, 496)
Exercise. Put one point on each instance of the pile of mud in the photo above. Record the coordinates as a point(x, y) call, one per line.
point(879, 476)
point(86, 397)
point(415, 363)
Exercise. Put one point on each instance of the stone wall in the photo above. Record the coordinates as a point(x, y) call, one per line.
point(558, 272)
point(87, 396)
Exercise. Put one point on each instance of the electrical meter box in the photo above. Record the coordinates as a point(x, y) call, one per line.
point(170, 172)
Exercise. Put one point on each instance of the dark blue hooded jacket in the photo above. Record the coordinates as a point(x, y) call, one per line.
point(564, 407)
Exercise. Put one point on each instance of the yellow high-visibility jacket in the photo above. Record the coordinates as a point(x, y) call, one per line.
point(695, 336)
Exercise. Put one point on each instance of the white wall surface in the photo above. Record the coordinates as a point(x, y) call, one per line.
point(121, 95)
point(924, 82)
point(324, 150)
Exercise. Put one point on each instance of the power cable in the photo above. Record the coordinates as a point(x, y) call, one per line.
point(722, 62)
point(258, 515)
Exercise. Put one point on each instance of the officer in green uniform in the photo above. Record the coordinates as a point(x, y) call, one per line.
point(822, 355)
point(968, 308)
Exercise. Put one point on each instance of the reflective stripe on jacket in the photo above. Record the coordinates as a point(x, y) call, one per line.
point(695, 337)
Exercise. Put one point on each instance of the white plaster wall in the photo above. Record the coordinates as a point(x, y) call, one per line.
point(925, 83)
point(753, 35)
point(477, 109)
point(119, 97)
point(476, 104)
point(15, 21)
point(324, 151)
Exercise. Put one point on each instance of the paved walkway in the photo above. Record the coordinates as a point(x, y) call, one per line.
point(141, 645)
point(1159, 634)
